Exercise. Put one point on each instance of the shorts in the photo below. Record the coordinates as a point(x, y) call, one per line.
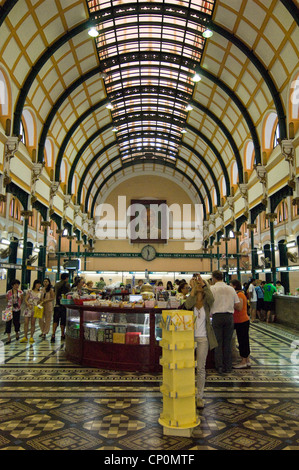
point(253, 304)
point(269, 305)
point(59, 315)
point(260, 305)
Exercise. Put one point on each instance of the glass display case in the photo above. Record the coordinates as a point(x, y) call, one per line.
point(114, 338)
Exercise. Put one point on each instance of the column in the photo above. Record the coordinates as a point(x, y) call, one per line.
point(45, 224)
point(251, 227)
point(218, 256)
point(226, 239)
point(272, 217)
point(25, 214)
point(237, 235)
point(59, 232)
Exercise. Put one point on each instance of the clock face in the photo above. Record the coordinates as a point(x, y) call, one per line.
point(148, 253)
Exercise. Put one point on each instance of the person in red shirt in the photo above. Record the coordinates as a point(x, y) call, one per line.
point(241, 324)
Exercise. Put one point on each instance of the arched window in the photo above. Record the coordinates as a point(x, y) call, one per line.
point(294, 103)
point(223, 187)
point(270, 133)
point(249, 155)
point(63, 171)
point(49, 153)
point(22, 133)
point(276, 135)
point(29, 124)
point(206, 202)
point(75, 185)
point(234, 173)
point(15, 209)
point(282, 212)
point(5, 97)
point(214, 197)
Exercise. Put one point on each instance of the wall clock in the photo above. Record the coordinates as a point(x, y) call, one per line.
point(148, 253)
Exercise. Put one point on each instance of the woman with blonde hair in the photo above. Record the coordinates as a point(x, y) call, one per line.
point(200, 300)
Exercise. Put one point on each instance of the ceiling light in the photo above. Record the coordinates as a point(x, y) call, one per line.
point(196, 77)
point(114, 129)
point(109, 106)
point(189, 107)
point(4, 241)
point(184, 131)
point(291, 244)
point(93, 32)
point(207, 33)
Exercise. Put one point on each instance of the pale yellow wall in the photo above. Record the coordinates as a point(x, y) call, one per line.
point(151, 187)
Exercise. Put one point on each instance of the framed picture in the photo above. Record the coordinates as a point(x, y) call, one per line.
point(148, 221)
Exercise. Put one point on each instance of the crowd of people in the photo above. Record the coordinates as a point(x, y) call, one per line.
point(42, 294)
point(218, 308)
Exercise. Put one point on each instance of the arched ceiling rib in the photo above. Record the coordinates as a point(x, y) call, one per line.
point(150, 161)
point(241, 79)
point(158, 161)
point(117, 157)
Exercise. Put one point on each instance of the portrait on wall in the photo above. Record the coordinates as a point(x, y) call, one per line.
point(148, 221)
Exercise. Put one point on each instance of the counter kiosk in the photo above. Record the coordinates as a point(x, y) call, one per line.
point(114, 338)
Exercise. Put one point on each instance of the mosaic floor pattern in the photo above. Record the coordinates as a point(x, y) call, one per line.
point(49, 403)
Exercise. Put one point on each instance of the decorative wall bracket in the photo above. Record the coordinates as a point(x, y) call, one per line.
point(244, 193)
point(262, 176)
point(231, 204)
point(288, 151)
point(53, 191)
point(10, 147)
point(36, 171)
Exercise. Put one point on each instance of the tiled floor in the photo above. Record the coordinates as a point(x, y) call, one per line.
point(49, 403)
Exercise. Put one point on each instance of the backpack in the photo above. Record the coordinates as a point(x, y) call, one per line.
point(259, 292)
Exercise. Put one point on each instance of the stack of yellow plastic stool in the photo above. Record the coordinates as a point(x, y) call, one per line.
point(178, 388)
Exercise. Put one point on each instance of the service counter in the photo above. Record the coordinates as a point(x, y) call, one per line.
point(287, 310)
point(114, 338)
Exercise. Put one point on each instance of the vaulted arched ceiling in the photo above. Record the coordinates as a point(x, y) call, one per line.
point(143, 63)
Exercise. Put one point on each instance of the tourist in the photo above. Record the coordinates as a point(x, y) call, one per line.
point(14, 299)
point(222, 310)
point(61, 288)
point(252, 296)
point(47, 301)
point(201, 300)
point(32, 299)
point(269, 305)
point(241, 325)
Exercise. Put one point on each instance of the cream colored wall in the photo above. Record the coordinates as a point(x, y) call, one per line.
point(150, 187)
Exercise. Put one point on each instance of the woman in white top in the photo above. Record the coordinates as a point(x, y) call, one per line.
point(32, 299)
point(201, 299)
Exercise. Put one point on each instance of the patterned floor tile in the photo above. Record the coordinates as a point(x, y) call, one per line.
point(70, 439)
point(227, 412)
point(79, 412)
point(30, 426)
point(11, 409)
point(49, 403)
point(153, 439)
point(114, 426)
point(242, 439)
point(274, 426)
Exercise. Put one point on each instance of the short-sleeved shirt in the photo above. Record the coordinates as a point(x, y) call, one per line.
point(241, 316)
point(269, 290)
point(225, 297)
point(251, 289)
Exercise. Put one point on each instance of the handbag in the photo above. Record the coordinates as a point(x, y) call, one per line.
point(7, 314)
point(38, 311)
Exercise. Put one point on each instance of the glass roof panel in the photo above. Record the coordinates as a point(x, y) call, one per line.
point(149, 52)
